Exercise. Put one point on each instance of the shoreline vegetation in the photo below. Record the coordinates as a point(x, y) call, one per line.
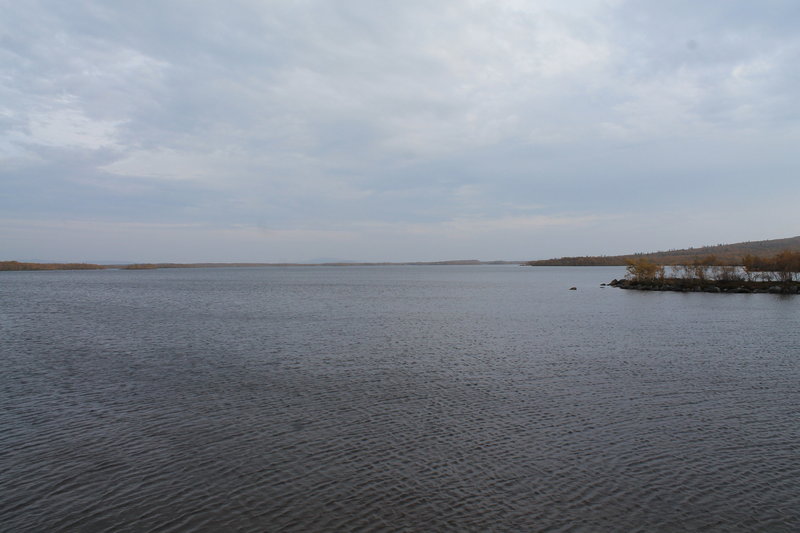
point(730, 254)
point(777, 274)
point(771, 266)
point(9, 266)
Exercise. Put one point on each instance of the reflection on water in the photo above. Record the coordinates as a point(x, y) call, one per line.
point(394, 398)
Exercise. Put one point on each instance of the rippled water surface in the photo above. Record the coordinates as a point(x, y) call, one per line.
point(393, 398)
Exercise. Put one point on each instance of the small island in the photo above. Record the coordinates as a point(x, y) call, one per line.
point(778, 274)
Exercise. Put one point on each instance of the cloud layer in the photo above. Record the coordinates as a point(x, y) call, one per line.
point(268, 131)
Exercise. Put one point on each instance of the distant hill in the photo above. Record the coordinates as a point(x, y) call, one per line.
point(727, 253)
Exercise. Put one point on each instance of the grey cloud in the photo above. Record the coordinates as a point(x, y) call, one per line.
point(334, 114)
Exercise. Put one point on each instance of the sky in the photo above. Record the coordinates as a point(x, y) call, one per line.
point(271, 131)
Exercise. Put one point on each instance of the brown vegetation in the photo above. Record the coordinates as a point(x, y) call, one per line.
point(777, 273)
point(16, 265)
point(730, 254)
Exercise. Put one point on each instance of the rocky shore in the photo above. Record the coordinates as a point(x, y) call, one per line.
point(694, 285)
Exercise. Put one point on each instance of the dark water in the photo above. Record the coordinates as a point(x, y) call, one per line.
point(393, 399)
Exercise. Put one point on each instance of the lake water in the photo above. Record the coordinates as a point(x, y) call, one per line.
point(424, 398)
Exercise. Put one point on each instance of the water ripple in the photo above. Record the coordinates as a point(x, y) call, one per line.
point(417, 399)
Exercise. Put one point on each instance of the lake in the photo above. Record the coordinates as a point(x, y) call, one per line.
point(396, 398)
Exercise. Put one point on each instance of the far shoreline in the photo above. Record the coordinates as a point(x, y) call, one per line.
point(19, 266)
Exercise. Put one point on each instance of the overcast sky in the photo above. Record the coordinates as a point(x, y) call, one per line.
point(394, 130)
